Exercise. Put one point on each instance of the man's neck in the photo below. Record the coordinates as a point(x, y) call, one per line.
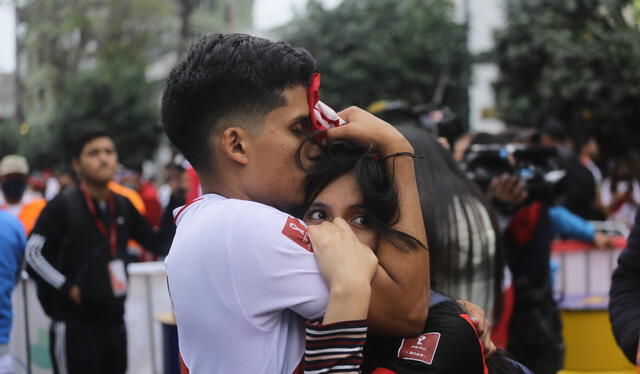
point(98, 191)
point(216, 185)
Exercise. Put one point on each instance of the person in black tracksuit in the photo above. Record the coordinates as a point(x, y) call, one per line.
point(77, 255)
point(624, 304)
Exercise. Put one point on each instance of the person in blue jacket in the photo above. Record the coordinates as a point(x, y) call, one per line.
point(12, 244)
point(624, 303)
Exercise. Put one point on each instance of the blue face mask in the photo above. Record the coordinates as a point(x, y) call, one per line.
point(14, 188)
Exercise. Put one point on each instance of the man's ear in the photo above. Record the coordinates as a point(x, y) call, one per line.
point(233, 143)
point(75, 164)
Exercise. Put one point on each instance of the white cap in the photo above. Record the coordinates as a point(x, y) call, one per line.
point(13, 164)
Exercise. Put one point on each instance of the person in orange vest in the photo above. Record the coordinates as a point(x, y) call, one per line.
point(15, 198)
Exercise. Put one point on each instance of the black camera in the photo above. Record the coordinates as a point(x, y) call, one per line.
point(538, 167)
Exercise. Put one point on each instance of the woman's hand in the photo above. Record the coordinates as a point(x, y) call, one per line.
point(347, 266)
point(482, 325)
point(368, 130)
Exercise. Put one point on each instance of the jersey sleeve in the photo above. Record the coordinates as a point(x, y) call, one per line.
point(334, 348)
point(273, 267)
point(43, 247)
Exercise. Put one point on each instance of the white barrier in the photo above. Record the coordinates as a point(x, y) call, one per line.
point(147, 297)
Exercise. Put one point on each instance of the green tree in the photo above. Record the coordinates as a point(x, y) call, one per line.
point(576, 60)
point(370, 50)
point(9, 138)
point(115, 97)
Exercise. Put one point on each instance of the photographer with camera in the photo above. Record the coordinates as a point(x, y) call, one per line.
point(525, 182)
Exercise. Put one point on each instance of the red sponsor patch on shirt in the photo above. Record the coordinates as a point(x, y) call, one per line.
point(422, 348)
point(297, 231)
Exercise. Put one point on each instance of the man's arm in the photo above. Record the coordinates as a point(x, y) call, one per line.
point(43, 248)
point(400, 288)
point(160, 241)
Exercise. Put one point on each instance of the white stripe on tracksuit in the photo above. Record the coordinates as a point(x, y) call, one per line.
point(60, 346)
point(41, 266)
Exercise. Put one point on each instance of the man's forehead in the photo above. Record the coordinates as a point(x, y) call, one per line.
point(296, 96)
point(99, 143)
point(295, 103)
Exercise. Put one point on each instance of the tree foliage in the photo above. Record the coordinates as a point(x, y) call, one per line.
point(117, 98)
point(576, 60)
point(91, 57)
point(63, 37)
point(370, 50)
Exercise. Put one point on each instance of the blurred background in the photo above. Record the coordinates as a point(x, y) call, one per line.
point(458, 68)
point(494, 63)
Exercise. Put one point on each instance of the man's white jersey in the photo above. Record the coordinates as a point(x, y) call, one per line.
point(242, 280)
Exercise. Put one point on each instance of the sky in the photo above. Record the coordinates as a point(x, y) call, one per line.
point(272, 13)
point(267, 14)
point(7, 37)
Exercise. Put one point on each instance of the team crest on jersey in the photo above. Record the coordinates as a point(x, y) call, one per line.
point(297, 231)
point(422, 348)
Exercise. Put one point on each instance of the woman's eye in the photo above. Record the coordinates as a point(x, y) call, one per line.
point(318, 215)
point(360, 220)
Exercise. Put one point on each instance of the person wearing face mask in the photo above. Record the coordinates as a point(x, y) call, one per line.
point(15, 198)
point(77, 256)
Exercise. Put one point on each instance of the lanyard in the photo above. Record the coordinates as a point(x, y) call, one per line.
point(111, 234)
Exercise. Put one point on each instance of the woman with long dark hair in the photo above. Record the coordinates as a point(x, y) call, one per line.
point(351, 183)
point(467, 260)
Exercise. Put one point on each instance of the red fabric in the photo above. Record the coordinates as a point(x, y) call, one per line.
point(153, 210)
point(568, 246)
point(523, 224)
point(299, 369)
point(383, 371)
point(313, 96)
point(500, 331)
point(183, 367)
point(484, 361)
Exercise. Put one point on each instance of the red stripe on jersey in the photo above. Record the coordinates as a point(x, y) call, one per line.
point(175, 219)
point(484, 361)
point(183, 367)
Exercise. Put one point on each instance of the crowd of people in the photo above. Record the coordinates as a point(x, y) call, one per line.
point(298, 239)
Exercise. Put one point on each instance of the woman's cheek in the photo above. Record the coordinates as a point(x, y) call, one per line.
point(368, 237)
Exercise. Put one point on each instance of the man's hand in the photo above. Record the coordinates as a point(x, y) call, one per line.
point(368, 130)
point(74, 294)
point(482, 325)
point(602, 240)
point(508, 189)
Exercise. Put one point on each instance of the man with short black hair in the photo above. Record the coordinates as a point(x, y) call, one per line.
point(77, 255)
point(240, 271)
